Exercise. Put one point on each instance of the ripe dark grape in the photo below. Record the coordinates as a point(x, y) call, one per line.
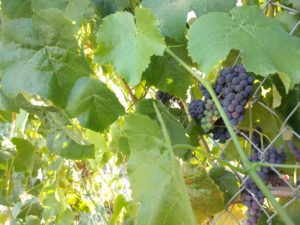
point(196, 109)
point(163, 96)
point(220, 132)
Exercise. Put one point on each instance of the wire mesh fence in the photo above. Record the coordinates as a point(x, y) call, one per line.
point(289, 188)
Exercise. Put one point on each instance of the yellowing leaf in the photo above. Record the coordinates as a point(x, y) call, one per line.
point(236, 214)
point(276, 97)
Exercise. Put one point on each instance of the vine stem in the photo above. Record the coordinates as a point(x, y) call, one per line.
point(90, 196)
point(286, 166)
point(129, 91)
point(246, 163)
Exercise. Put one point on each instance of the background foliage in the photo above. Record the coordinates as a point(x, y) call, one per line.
point(83, 139)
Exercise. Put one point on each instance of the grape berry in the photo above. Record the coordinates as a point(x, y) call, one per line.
point(163, 96)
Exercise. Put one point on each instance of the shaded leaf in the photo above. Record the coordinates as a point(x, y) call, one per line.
point(246, 29)
point(288, 21)
point(95, 106)
point(16, 8)
point(295, 3)
point(175, 129)
point(167, 75)
point(6, 103)
point(226, 180)
point(73, 9)
point(24, 160)
point(32, 220)
point(106, 7)
point(59, 143)
point(128, 43)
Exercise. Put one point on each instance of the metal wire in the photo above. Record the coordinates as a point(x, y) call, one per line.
point(294, 190)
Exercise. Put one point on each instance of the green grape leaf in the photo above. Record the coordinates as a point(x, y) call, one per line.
point(128, 43)
point(276, 97)
point(16, 8)
point(76, 10)
point(206, 198)
point(167, 75)
point(65, 217)
point(292, 209)
point(63, 138)
point(32, 220)
point(290, 101)
point(173, 13)
point(226, 180)
point(53, 62)
point(175, 129)
point(119, 204)
point(30, 207)
point(61, 144)
point(295, 3)
point(106, 7)
point(118, 141)
point(288, 21)
point(265, 46)
point(155, 177)
point(24, 160)
point(52, 206)
point(6, 103)
point(95, 106)
point(203, 7)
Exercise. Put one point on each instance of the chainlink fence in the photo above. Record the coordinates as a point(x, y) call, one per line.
point(289, 189)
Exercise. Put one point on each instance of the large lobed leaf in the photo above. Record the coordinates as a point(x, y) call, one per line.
point(48, 60)
point(128, 43)
point(95, 106)
point(106, 7)
point(74, 9)
point(265, 46)
point(16, 8)
point(154, 175)
point(173, 13)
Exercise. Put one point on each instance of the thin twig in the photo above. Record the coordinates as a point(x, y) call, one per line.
point(128, 89)
point(295, 28)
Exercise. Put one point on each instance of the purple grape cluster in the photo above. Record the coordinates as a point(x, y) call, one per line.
point(163, 96)
point(252, 197)
point(234, 85)
point(294, 151)
point(233, 88)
